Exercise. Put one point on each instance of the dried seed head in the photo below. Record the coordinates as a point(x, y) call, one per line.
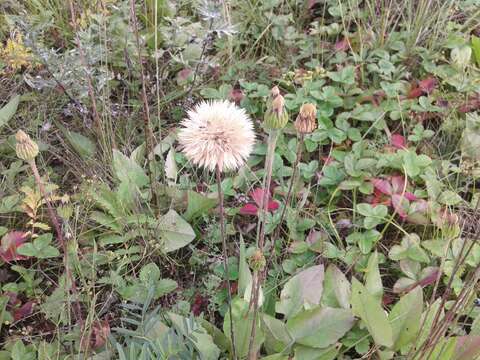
point(217, 134)
point(276, 117)
point(26, 148)
point(306, 120)
point(257, 260)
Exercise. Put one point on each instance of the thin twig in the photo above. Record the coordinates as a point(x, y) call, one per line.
point(225, 257)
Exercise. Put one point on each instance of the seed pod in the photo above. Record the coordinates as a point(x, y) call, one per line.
point(26, 148)
point(276, 117)
point(306, 120)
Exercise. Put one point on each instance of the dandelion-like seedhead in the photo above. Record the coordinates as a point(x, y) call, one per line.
point(217, 134)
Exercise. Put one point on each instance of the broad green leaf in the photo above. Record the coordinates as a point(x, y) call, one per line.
point(367, 308)
point(405, 318)
point(82, 145)
point(128, 171)
point(242, 324)
point(336, 288)
point(320, 327)
point(303, 289)
point(39, 248)
point(198, 205)
point(149, 274)
point(244, 274)
point(7, 112)
point(174, 231)
point(476, 49)
point(449, 197)
point(309, 353)
point(467, 347)
point(277, 337)
point(373, 280)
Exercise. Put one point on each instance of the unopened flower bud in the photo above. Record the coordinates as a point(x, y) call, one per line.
point(276, 117)
point(306, 121)
point(275, 92)
point(26, 148)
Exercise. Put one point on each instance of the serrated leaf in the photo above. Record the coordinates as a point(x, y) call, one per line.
point(174, 231)
point(7, 112)
point(367, 308)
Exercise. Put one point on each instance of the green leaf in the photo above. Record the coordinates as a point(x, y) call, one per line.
point(303, 289)
point(198, 205)
point(449, 198)
point(39, 248)
point(149, 274)
point(476, 48)
point(344, 76)
point(336, 288)
point(277, 337)
point(309, 353)
point(373, 280)
point(82, 145)
point(244, 274)
point(174, 231)
point(7, 112)
point(405, 318)
point(367, 308)
point(320, 327)
point(128, 171)
point(373, 215)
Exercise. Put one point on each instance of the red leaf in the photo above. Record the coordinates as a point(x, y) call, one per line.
point(342, 45)
point(199, 305)
point(415, 93)
point(101, 330)
point(398, 141)
point(257, 196)
point(9, 245)
point(400, 204)
point(409, 196)
point(398, 184)
point(249, 209)
point(428, 85)
point(382, 185)
point(273, 205)
point(184, 74)
point(24, 311)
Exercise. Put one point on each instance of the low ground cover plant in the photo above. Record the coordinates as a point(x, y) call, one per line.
point(242, 179)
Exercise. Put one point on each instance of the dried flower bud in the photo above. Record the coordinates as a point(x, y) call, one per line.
point(257, 260)
point(26, 148)
point(306, 120)
point(276, 117)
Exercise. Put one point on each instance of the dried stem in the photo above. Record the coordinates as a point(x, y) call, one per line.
point(292, 181)
point(225, 257)
point(146, 110)
point(258, 275)
point(61, 240)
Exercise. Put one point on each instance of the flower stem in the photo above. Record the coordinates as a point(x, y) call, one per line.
point(292, 181)
point(225, 257)
point(61, 240)
point(258, 275)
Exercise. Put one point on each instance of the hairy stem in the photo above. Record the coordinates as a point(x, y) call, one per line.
point(225, 257)
point(56, 224)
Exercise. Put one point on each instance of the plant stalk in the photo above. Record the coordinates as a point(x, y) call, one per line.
point(292, 181)
point(225, 257)
point(258, 275)
point(56, 224)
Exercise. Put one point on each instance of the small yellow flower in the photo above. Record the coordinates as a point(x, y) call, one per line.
point(15, 54)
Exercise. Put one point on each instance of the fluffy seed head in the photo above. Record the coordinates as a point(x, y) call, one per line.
point(26, 148)
point(217, 134)
point(306, 119)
